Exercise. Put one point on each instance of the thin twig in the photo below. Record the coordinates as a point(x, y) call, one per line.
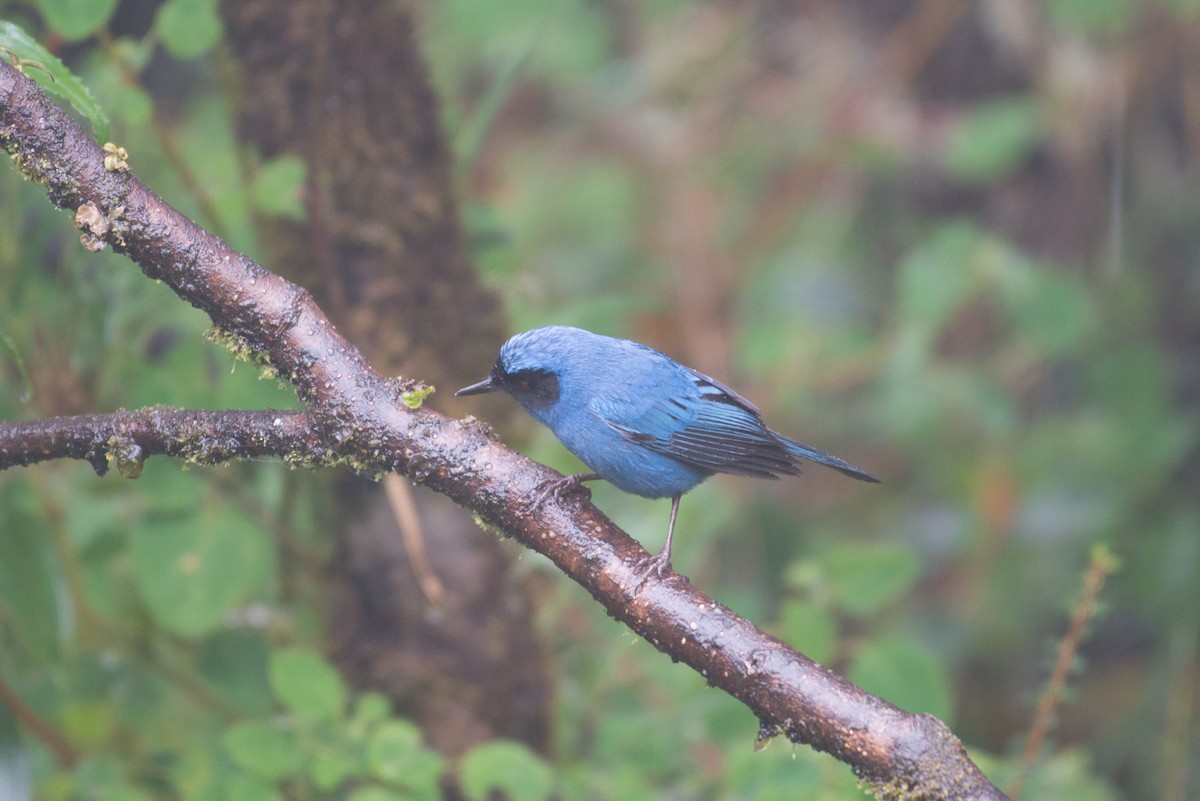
point(409, 522)
point(1103, 563)
point(64, 753)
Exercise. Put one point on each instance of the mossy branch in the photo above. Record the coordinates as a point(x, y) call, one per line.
point(373, 423)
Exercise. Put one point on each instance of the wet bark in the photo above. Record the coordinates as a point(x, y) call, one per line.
point(362, 419)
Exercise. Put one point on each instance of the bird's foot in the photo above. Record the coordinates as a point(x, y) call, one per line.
point(661, 563)
point(656, 566)
point(559, 488)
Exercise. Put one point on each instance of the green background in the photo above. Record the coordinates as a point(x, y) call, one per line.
point(971, 269)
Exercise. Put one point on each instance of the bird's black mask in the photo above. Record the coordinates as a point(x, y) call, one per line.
point(531, 388)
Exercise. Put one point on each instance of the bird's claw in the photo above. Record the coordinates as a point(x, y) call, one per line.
point(656, 566)
point(558, 488)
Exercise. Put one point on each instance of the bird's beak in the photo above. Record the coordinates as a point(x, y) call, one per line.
point(486, 385)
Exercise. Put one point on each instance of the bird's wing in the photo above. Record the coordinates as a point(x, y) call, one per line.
point(708, 425)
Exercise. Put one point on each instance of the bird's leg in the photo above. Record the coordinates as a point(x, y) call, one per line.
point(558, 487)
point(662, 561)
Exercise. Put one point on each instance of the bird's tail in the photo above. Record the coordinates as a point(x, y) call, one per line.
point(820, 457)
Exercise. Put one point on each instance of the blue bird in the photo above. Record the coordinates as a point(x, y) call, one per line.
point(639, 419)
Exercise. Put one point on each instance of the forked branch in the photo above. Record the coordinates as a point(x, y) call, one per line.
point(357, 417)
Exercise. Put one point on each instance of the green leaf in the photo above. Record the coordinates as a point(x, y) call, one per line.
point(937, 277)
point(1050, 309)
point(31, 581)
point(809, 628)
point(131, 105)
point(75, 19)
point(506, 766)
point(101, 779)
point(306, 684)
point(65, 85)
point(278, 188)
point(777, 771)
point(329, 769)
point(245, 788)
point(1093, 16)
point(264, 750)
point(1067, 775)
point(192, 570)
point(377, 794)
point(993, 139)
point(189, 28)
point(89, 723)
point(371, 707)
point(865, 578)
point(234, 662)
point(134, 53)
point(395, 754)
point(905, 674)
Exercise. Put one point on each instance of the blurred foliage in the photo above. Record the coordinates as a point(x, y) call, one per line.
point(959, 251)
point(35, 61)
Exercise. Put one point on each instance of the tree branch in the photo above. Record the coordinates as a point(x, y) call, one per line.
point(128, 438)
point(358, 417)
point(59, 746)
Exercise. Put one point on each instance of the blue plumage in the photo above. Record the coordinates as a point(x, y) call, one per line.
point(639, 419)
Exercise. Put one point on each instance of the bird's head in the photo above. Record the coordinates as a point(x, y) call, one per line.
point(530, 365)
